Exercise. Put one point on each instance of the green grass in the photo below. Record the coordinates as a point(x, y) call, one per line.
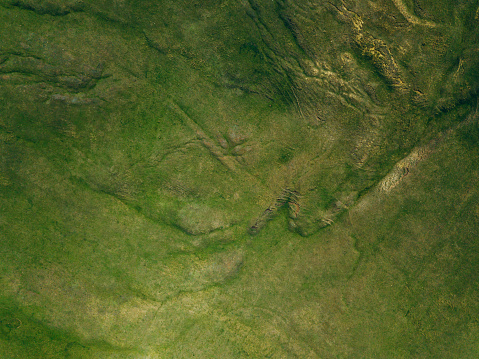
point(123, 235)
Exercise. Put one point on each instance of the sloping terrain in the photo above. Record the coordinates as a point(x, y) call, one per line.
point(239, 179)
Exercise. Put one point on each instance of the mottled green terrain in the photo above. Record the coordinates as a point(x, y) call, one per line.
point(239, 179)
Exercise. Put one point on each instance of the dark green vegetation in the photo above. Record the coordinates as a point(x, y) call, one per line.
point(239, 179)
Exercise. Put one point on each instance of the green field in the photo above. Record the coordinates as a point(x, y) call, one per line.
point(239, 179)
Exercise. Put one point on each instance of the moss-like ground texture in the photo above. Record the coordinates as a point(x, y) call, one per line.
point(239, 179)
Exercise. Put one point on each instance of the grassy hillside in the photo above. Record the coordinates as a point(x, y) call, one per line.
point(239, 179)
